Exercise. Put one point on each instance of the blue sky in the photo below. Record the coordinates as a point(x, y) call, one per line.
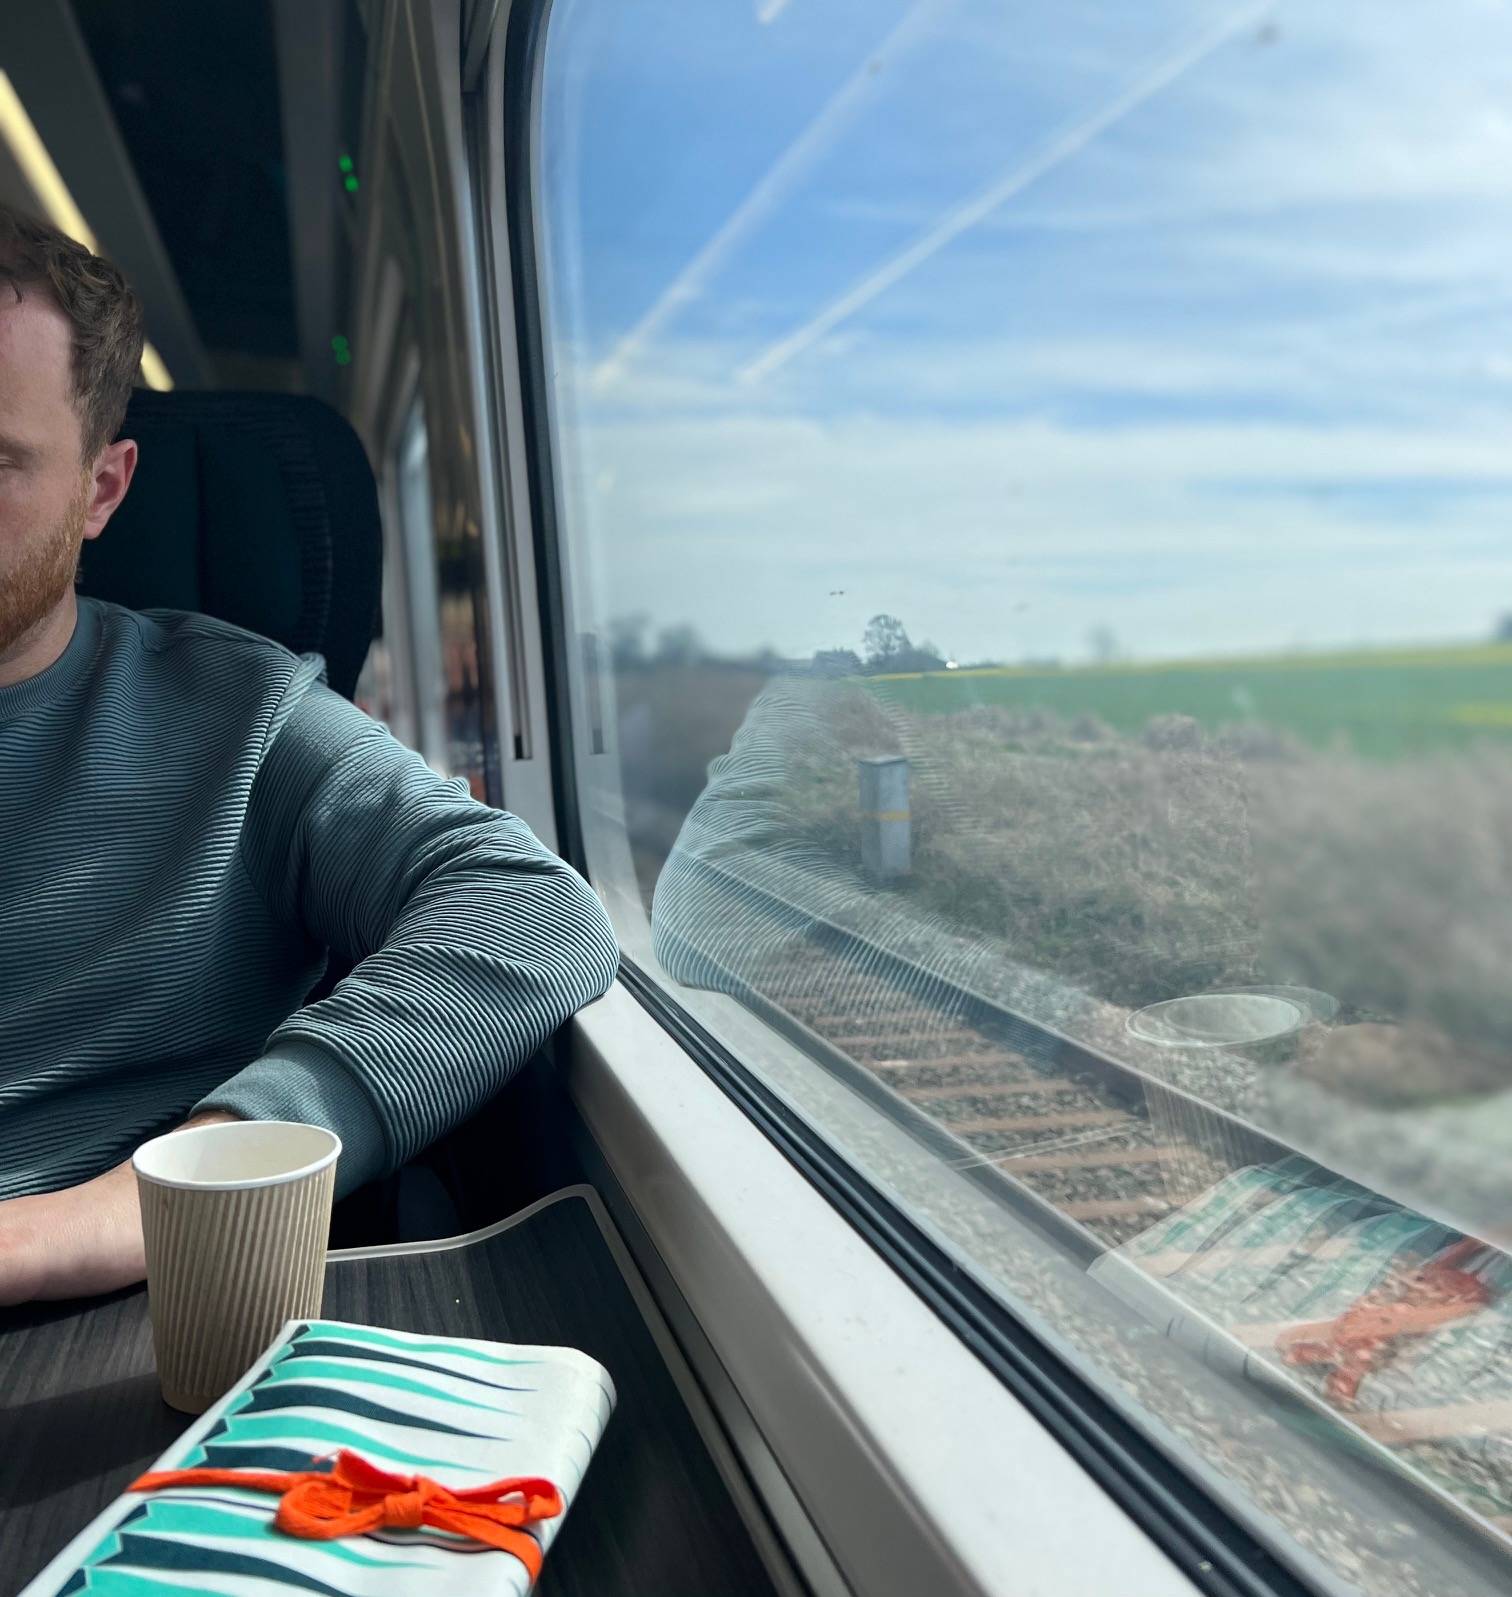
point(1019, 318)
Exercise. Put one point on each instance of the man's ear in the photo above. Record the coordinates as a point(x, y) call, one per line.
point(110, 477)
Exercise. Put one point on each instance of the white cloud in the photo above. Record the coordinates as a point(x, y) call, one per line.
point(1186, 537)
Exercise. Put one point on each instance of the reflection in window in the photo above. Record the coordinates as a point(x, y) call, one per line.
point(427, 675)
point(1041, 487)
point(412, 493)
point(460, 579)
point(378, 691)
point(386, 689)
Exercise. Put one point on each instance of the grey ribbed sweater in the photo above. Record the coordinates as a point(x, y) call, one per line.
point(189, 819)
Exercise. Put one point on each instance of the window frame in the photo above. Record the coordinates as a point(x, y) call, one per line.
point(527, 762)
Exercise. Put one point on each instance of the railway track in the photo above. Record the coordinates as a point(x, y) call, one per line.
point(1099, 1148)
point(1074, 1129)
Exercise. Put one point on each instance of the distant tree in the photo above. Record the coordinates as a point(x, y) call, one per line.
point(837, 663)
point(918, 657)
point(1103, 642)
point(884, 640)
point(627, 640)
point(1503, 633)
point(679, 645)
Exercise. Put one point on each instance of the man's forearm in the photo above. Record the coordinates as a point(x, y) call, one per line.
point(78, 1242)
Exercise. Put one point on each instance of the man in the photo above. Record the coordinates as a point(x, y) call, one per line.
point(189, 820)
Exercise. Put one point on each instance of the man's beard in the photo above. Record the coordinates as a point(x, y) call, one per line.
point(31, 592)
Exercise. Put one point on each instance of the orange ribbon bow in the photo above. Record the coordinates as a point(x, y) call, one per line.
point(355, 1497)
point(1368, 1334)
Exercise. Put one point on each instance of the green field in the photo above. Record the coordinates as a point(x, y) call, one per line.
point(1385, 702)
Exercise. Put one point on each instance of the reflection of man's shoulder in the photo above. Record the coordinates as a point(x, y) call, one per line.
point(802, 707)
point(813, 690)
point(840, 711)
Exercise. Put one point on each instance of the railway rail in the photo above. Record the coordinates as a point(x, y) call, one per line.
point(1088, 1148)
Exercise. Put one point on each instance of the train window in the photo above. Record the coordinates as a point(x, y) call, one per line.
point(380, 687)
point(1031, 485)
point(387, 689)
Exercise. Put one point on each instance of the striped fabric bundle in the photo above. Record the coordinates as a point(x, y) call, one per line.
point(462, 1413)
point(1389, 1317)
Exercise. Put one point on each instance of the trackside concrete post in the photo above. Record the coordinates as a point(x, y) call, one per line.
point(886, 823)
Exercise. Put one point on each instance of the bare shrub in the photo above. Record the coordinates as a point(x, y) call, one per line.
point(1142, 867)
point(1139, 867)
point(1091, 729)
point(1390, 885)
point(1396, 1067)
point(1253, 740)
point(1123, 869)
point(1173, 732)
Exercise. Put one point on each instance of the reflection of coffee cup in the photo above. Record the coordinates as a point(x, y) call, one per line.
point(1254, 1023)
point(236, 1219)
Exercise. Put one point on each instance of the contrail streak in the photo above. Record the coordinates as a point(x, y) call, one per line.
point(1064, 147)
point(769, 192)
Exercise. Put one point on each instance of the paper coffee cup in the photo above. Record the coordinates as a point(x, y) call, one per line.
point(236, 1218)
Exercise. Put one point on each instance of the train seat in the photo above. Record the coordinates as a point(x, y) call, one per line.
point(259, 509)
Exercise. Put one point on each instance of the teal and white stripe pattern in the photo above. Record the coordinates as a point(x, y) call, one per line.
point(189, 820)
point(1273, 1247)
point(462, 1412)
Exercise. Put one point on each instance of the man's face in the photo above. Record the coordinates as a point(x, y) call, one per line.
point(51, 498)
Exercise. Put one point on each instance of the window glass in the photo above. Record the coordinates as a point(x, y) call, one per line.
point(412, 499)
point(1035, 487)
point(386, 689)
point(460, 589)
point(426, 675)
point(471, 736)
point(379, 688)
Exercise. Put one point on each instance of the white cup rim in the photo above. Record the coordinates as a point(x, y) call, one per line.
point(228, 1130)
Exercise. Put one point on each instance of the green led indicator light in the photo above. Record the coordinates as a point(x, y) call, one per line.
point(344, 357)
point(350, 185)
point(345, 163)
point(341, 348)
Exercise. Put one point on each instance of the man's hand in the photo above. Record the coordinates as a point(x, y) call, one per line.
point(78, 1242)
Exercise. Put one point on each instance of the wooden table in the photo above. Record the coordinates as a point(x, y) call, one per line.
point(80, 1413)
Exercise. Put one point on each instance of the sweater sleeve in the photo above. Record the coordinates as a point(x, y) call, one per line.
point(472, 942)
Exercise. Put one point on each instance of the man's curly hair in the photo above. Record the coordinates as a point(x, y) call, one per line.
point(105, 314)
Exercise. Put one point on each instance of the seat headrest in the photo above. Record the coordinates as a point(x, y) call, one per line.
point(258, 509)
